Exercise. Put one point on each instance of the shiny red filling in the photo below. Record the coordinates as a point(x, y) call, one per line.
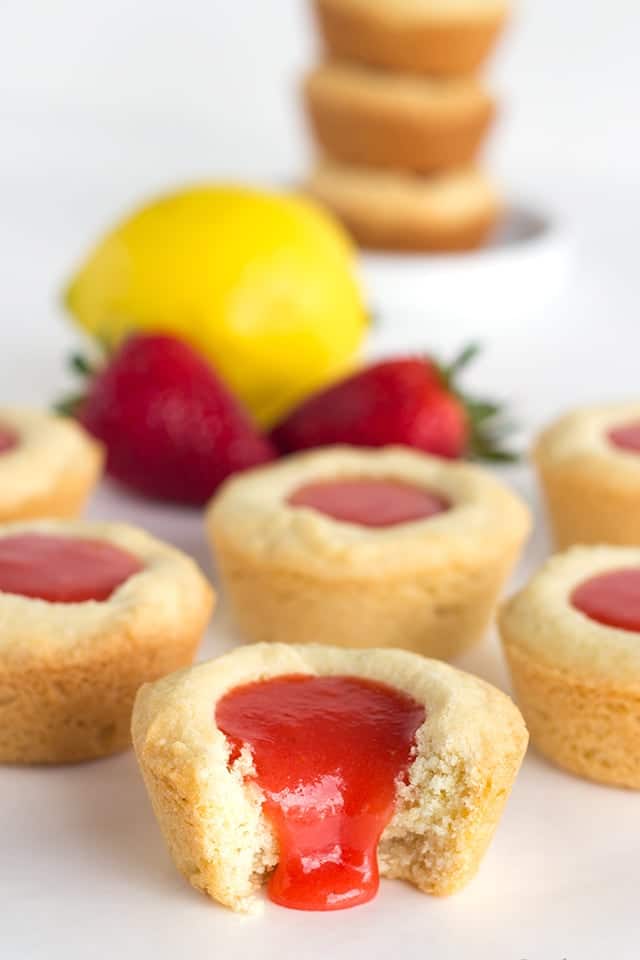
point(369, 502)
point(328, 752)
point(611, 598)
point(63, 569)
point(8, 439)
point(626, 436)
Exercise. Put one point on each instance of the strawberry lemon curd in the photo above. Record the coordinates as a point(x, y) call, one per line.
point(328, 752)
point(626, 436)
point(63, 569)
point(8, 439)
point(369, 502)
point(612, 599)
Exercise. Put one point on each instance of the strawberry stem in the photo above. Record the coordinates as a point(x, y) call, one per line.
point(79, 364)
point(69, 405)
point(466, 356)
point(487, 424)
point(83, 367)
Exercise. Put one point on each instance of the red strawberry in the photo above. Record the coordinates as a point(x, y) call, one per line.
point(172, 429)
point(408, 400)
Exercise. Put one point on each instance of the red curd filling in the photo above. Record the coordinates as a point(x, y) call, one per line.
point(63, 569)
point(369, 502)
point(328, 752)
point(626, 436)
point(8, 439)
point(612, 599)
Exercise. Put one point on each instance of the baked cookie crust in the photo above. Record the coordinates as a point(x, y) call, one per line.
point(591, 487)
point(390, 210)
point(469, 750)
point(440, 37)
point(52, 469)
point(576, 680)
point(366, 117)
point(69, 672)
point(295, 575)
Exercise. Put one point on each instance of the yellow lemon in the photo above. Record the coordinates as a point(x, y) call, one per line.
point(262, 284)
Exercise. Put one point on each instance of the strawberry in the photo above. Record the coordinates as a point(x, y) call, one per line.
point(407, 400)
point(172, 429)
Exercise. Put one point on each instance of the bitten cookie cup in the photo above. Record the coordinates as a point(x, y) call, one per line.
point(48, 465)
point(468, 752)
point(296, 575)
point(69, 672)
point(448, 37)
point(387, 210)
point(591, 484)
point(577, 680)
point(400, 121)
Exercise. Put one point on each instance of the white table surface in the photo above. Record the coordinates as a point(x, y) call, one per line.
point(83, 870)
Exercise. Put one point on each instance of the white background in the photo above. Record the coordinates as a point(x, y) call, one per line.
point(101, 103)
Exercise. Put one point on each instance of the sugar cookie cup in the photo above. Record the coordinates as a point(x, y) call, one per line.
point(210, 811)
point(294, 574)
point(446, 37)
point(395, 210)
point(576, 678)
point(69, 670)
point(398, 121)
point(48, 465)
point(588, 464)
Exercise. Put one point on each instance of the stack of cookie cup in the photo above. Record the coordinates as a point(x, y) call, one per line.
point(399, 117)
